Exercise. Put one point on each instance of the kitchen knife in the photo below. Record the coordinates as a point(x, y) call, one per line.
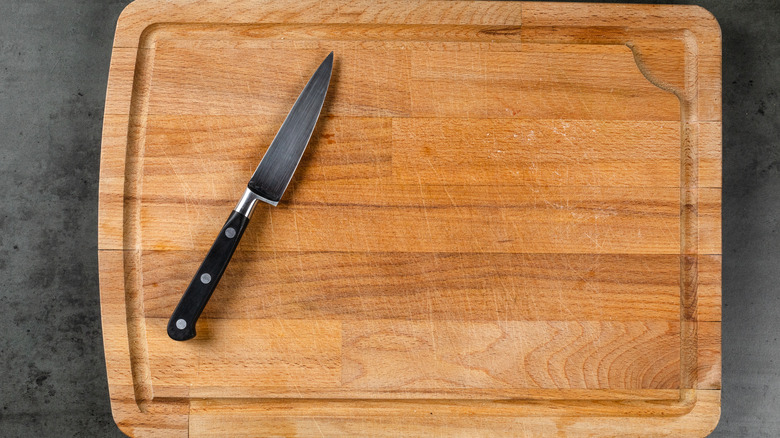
point(267, 184)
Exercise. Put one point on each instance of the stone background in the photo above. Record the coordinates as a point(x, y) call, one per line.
point(54, 58)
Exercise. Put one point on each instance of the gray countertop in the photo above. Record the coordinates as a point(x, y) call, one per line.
point(54, 58)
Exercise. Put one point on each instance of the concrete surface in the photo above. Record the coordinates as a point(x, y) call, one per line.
point(54, 57)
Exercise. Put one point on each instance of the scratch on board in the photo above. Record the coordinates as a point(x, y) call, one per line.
point(183, 183)
point(271, 226)
point(447, 192)
point(316, 423)
point(563, 309)
point(595, 240)
point(297, 233)
point(425, 207)
point(317, 353)
point(292, 380)
point(431, 326)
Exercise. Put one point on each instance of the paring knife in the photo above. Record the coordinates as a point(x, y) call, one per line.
point(267, 184)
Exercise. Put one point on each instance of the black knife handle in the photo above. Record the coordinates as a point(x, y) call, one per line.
point(182, 324)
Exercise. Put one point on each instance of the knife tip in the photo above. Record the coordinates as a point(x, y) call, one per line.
point(328, 62)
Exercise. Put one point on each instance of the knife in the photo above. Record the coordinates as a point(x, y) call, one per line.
point(267, 184)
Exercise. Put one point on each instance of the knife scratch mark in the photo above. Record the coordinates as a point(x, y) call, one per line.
point(317, 352)
point(297, 234)
point(505, 222)
point(200, 156)
point(187, 189)
point(425, 207)
point(431, 326)
point(271, 226)
point(580, 97)
point(205, 165)
point(594, 240)
point(487, 83)
point(533, 305)
point(289, 372)
point(316, 423)
point(497, 275)
point(563, 309)
point(452, 200)
point(409, 82)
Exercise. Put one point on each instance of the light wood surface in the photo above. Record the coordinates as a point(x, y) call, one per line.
point(507, 221)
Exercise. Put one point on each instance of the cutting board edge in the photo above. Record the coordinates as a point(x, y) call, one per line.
point(705, 24)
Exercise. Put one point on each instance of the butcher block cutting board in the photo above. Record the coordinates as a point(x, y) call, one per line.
point(507, 221)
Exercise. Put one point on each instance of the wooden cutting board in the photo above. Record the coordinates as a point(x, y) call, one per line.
point(507, 221)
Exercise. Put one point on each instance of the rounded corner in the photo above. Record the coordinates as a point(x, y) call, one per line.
point(132, 32)
point(123, 427)
point(127, 10)
point(707, 411)
point(712, 423)
point(706, 18)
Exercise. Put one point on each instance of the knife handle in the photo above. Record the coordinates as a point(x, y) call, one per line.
point(182, 323)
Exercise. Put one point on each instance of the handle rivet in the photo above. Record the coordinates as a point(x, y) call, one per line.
point(205, 278)
point(181, 324)
point(230, 233)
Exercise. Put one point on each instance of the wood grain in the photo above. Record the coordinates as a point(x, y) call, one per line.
point(507, 221)
point(428, 286)
point(210, 418)
point(414, 83)
point(435, 218)
point(277, 354)
point(432, 356)
point(479, 151)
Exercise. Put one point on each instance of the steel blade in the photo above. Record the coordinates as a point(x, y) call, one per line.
point(276, 169)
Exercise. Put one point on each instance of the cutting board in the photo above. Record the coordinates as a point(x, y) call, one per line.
point(507, 221)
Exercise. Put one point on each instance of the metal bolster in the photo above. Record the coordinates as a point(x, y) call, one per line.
point(248, 202)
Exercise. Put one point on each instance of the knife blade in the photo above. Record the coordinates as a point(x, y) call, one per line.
point(267, 184)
